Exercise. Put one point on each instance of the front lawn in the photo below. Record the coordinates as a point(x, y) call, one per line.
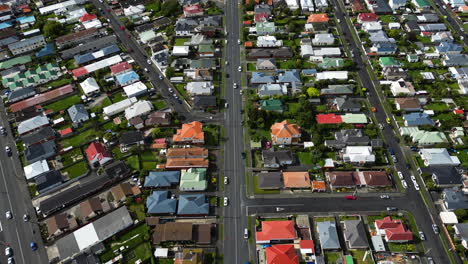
point(76, 170)
point(180, 87)
point(211, 135)
point(180, 41)
point(293, 107)
point(63, 104)
point(72, 156)
point(305, 158)
point(463, 157)
point(388, 19)
point(401, 247)
point(79, 139)
point(332, 257)
point(60, 82)
point(134, 162)
point(158, 105)
point(437, 107)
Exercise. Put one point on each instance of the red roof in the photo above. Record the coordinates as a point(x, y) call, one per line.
point(79, 72)
point(274, 230)
point(193, 9)
point(160, 140)
point(41, 98)
point(120, 67)
point(367, 17)
point(96, 152)
point(260, 17)
point(458, 111)
point(328, 119)
point(307, 244)
point(66, 131)
point(426, 33)
point(394, 229)
point(281, 254)
point(247, 22)
point(87, 17)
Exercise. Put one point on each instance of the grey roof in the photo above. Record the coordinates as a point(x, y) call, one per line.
point(462, 231)
point(348, 137)
point(291, 76)
point(162, 178)
point(381, 7)
point(67, 246)
point(347, 105)
point(20, 94)
point(131, 137)
point(26, 42)
point(455, 199)
point(380, 36)
point(40, 151)
point(214, 21)
point(159, 22)
point(432, 27)
point(186, 24)
point(266, 63)
point(89, 46)
point(328, 235)
point(105, 51)
point(47, 180)
point(262, 8)
point(78, 113)
point(444, 175)
point(32, 124)
point(270, 180)
point(456, 59)
point(159, 203)
point(261, 77)
point(38, 136)
point(112, 223)
point(337, 89)
point(193, 204)
point(204, 101)
point(276, 157)
point(355, 234)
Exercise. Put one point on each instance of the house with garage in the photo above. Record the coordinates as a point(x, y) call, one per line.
point(97, 154)
point(355, 234)
point(277, 158)
point(328, 235)
point(394, 231)
point(276, 231)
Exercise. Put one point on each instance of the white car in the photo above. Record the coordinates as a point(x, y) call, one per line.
point(226, 201)
point(226, 62)
point(226, 180)
point(25, 217)
point(8, 215)
point(416, 186)
point(405, 185)
point(8, 251)
point(384, 196)
point(240, 68)
point(400, 175)
point(235, 85)
point(149, 61)
point(413, 178)
point(11, 260)
point(238, 41)
point(146, 70)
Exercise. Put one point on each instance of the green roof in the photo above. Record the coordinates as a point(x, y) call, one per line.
point(205, 48)
point(349, 259)
point(354, 118)
point(428, 137)
point(331, 63)
point(193, 179)
point(271, 105)
point(15, 61)
point(421, 3)
point(32, 77)
point(268, 27)
point(388, 61)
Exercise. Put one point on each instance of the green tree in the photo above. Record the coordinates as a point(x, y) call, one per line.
point(53, 29)
point(170, 8)
point(313, 92)
point(170, 72)
point(461, 214)
point(156, 132)
point(108, 136)
point(297, 12)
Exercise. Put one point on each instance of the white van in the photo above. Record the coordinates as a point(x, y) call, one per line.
point(246, 233)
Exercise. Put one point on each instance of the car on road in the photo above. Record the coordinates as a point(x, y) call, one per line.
point(240, 68)
point(350, 197)
point(227, 75)
point(430, 260)
point(146, 70)
point(405, 185)
point(384, 196)
point(122, 27)
point(148, 61)
point(226, 105)
point(161, 77)
point(33, 246)
point(279, 209)
point(422, 236)
point(238, 42)
point(225, 201)
point(395, 159)
point(374, 109)
point(8, 151)
point(390, 209)
point(246, 233)
point(11, 260)
point(2, 131)
point(400, 175)
point(226, 63)
point(235, 85)
point(26, 217)
point(8, 251)
point(413, 148)
point(435, 228)
point(413, 178)
point(226, 180)
point(416, 186)
point(388, 120)
point(8, 215)
point(243, 155)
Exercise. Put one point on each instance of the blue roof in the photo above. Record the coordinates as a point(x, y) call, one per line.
point(127, 77)
point(418, 119)
point(193, 204)
point(48, 49)
point(291, 76)
point(162, 178)
point(5, 25)
point(26, 19)
point(309, 71)
point(80, 59)
point(448, 47)
point(261, 77)
point(159, 203)
point(385, 46)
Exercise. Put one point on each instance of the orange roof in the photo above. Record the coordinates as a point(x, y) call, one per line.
point(296, 179)
point(285, 130)
point(189, 132)
point(276, 230)
point(66, 131)
point(463, 8)
point(281, 254)
point(318, 18)
point(186, 152)
point(319, 185)
point(248, 44)
point(187, 163)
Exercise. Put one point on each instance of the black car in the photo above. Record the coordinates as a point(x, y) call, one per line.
point(243, 155)
point(227, 75)
point(8, 151)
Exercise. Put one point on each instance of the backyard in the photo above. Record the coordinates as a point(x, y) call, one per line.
point(358, 256)
point(63, 104)
point(79, 139)
point(76, 170)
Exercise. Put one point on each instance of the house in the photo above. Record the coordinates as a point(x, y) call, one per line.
point(371, 26)
point(285, 133)
point(31, 78)
point(38, 136)
point(118, 107)
point(380, 37)
point(328, 119)
point(90, 208)
point(428, 138)
point(26, 45)
point(276, 158)
point(160, 203)
point(127, 78)
point(276, 231)
point(394, 73)
point(355, 234)
point(272, 89)
point(340, 179)
point(135, 89)
point(270, 180)
point(134, 10)
point(367, 17)
point(435, 27)
point(463, 9)
point(40, 151)
point(394, 231)
point(421, 4)
point(140, 108)
point(448, 48)
point(265, 28)
point(20, 94)
point(181, 232)
point(272, 105)
point(328, 235)
point(193, 205)
point(120, 68)
point(193, 179)
point(444, 176)
point(384, 48)
point(189, 256)
point(186, 163)
point(454, 199)
point(461, 233)
point(147, 36)
point(292, 4)
point(442, 36)
point(78, 113)
point(57, 224)
point(261, 78)
point(121, 191)
point(162, 179)
point(37, 168)
point(320, 5)
point(200, 88)
point(418, 119)
point(296, 179)
point(438, 157)
point(348, 137)
point(402, 87)
point(206, 50)
point(90, 86)
point(181, 51)
point(193, 10)
point(202, 102)
point(261, 17)
point(90, 46)
point(327, 52)
point(328, 63)
point(130, 138)
point(284, 254)
point(357, 6)
point(76, 37)
point(332, 75)
point(97, 154)
point(455, 60)
point(359, 155)
point(268, 42)
point(346, 105)
point(318, 18)
point(194, 152)
point(266, 64)
point(397, 4)
point(48, 181)
point(323, 39)
point(408, 104)
point(185, 26)
point(158, 118)
point(263, 8)
point(190, 133)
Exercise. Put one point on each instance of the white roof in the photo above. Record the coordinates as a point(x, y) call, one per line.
point(92, 24)
point(32, 123)
point(394, 25)
point(138, 109)
point(371, 26)
point(135, 89)
point(448, 218)
point(119, 106)
point(292, 3)
point(86, 236)
point(378, 244)
point(52, 8)
point(103, 63)
point(180, 50)
point(199, 87)
point(89, 85)
point(134, 10)
point(161, 252)
point(35, 169)
point(76, 14)
point(327, 52)
point(329, 75)
point(307, 50)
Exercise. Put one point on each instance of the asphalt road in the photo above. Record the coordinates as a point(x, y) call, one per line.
point(14, 197)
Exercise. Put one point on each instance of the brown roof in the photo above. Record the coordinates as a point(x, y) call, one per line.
point(90, 206)
point(376, 178)
point(319, 185)
point(186, 152)
point(187, 163)
point(77, 35)
point(408, 103)
point(202, 233)
point(173, 231)
point(152, 220)
point(41, 98)
point(296, 179)
point(8, 32)
point(57, 222)
point(158, 118)
point(341, 178)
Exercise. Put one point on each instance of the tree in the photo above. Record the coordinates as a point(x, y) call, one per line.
point(292, 26)
point(313, 92)
point(53, 29)
point(108, 137)
point(297, 12)
point(156, 132)
point(170, 7)
point(170, 72)
point(461, 213)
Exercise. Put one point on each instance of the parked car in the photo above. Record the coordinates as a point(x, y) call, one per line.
point(400, 175)
point(422, 236)
point(350, 197)
point(8, 215)
point(33, 246)
point(390, 209)
point(435, 228)
point(246, 233)
point(405, 185)
point(11, 260)
point(235, 85)
point(8, 151)
point(240, 68)
point(2, 131)
point(384, 196)
point(8, 251)
point(226, 180)
point(26, 217)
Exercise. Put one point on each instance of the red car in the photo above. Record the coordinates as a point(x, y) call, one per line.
point(122, 27)
point(350, 197)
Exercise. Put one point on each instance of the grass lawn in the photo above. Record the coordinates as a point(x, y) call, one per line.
point(388, 18)
point(159, 104)
point(116, 153)
point(211, 135)
point(290, 64)
point(59, 82)
point(76, 170)
point(148, 155)
point(117, 97)
point(141, 252)
point(181, 89)
point(304, 158)
point(165, 261)
point(261, 191)
point(251, 67)
point(79, 139)
point(437, 107)
point(324, 219)
point(332, 257)
point(180, 41)
point(293, 107)
point(358, 255)
point(130, 239)
point(148, 165)
point(401, 247)
point(134, 162)
point(463, 156)
point(104, 103)
point(72, 156)
point(138, 209)
point(63, 104)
